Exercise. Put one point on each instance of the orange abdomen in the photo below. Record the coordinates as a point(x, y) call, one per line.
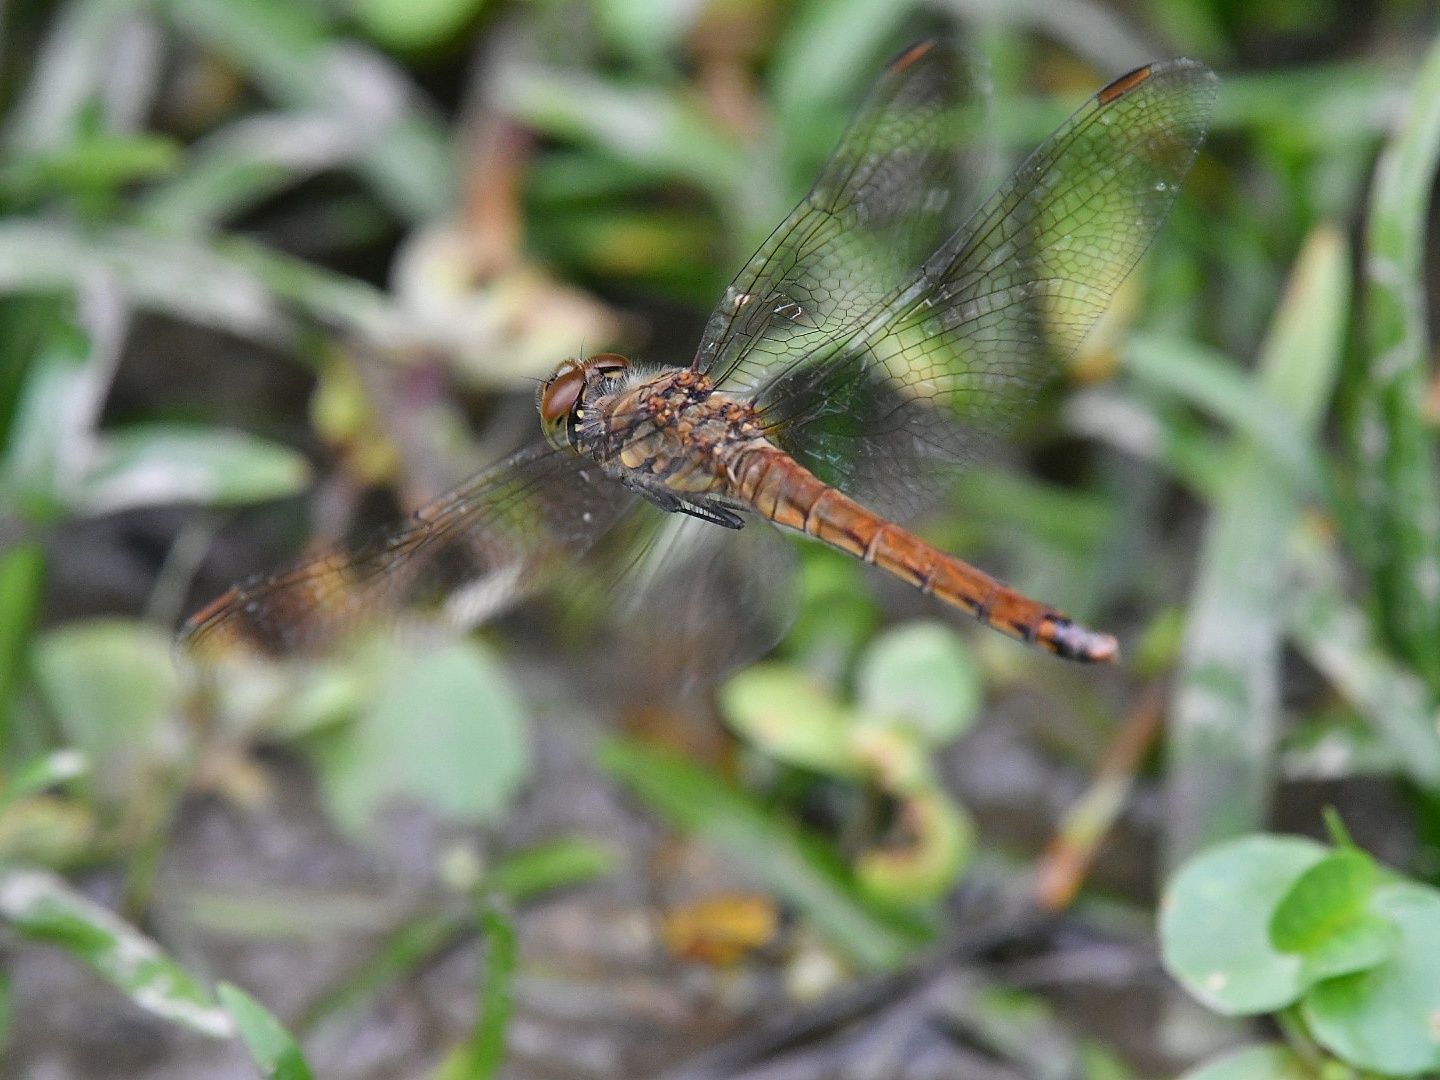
point(783, 490)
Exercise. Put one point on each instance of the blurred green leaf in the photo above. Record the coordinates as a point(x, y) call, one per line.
point(1384, 1018)
point(239, 165)
point(174, 276)
point(922, 675)
point(484, 1052)
point(44, 772)
point(291, 52)
point(1324, 918)
point(112, 686)
point(74, 62)
point(939, 840)
point(1215, 923)
point(29, 322)
point(1364, 943)
point(837, 613)
point(93, 163)
point(1318, 106)
point(22, 575)
point(1323, 899)
point(1335, 635)
point(348, 302)
point(648, 28)
point(796, 866)
point(48, 831)
point(667, 250)
point(825, 55)
point(275, 1051)
point(555, 865)
point(42, 907)
point(7, 1008)
point(1161, 432)
point(151, 464)
point(415, 24)
point(442, 726)
point(660, 129)
point(394, 958)
point(1209, 380)
point(52, 426)
point(1055, 516)
point(1272, 1062)
point(1393, 439)
point(1335, 741)
point(1226, 703)
point(787, 715)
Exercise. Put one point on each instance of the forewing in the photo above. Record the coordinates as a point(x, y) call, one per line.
point(949, 358)
point(462, 559)
point(878, 209)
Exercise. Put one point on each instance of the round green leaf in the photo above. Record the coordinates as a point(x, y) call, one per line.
point(1365, 943)
point(781, 710)
point(1273, 1062)
point(415, 24)
point(444, 728)
point(1215, 923)
point(923, 674)
point(1387, 1019)
point(1324, 900)
point(112, 685)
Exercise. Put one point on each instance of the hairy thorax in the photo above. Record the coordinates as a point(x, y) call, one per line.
point(673, 429)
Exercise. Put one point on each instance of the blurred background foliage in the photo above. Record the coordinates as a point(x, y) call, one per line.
point(271, 268)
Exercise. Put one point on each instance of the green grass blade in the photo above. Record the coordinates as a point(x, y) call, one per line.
point(239, 165)
point(483, 1054)
point(1393, 441)
point(273, 1048)
point(22, 574)
point(553, 865)
point(42, 907)
point(795, 866)
point(1206, 379)
point(72, 68)
point(1224, 716)
point(300, 62)
point(234, 284)
point(656, 130)
point(1336, 637)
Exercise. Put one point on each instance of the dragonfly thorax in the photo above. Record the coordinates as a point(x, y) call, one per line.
point(564, 396)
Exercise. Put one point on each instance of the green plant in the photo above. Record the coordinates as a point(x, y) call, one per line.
point(1341, 949)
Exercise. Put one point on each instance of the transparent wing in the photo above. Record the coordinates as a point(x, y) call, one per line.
point(462, 559)
point(878, 209)
point(700, 601)
point(885, 396)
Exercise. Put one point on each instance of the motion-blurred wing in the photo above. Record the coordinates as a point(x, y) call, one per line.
point(462, 559)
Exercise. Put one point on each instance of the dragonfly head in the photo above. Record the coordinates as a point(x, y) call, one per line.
point(563, 397)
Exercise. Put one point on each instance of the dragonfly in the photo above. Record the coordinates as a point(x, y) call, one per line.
point(865, 354)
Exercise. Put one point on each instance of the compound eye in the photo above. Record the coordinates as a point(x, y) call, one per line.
point(608, 364)
point(557, 398)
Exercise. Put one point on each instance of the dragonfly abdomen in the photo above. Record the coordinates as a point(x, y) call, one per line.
point(787, 493)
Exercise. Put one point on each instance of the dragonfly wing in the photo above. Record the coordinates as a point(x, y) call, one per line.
point(701, 601)
point(878, 209)
point(462, 559)
point(947, 361)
